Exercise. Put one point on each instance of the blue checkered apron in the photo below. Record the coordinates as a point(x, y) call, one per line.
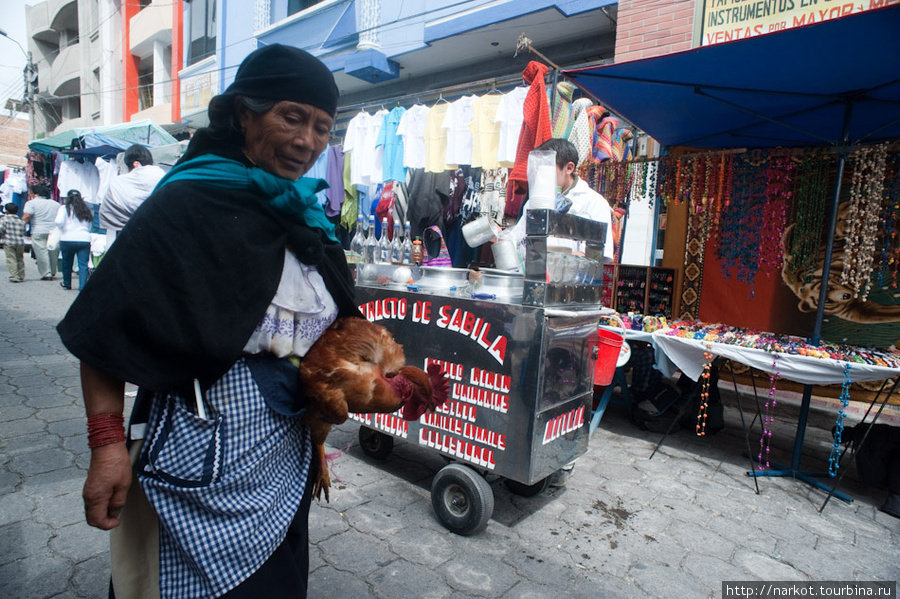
point(225, 488)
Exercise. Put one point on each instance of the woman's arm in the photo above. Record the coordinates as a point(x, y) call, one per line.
point(109, 474)
point(60, 216)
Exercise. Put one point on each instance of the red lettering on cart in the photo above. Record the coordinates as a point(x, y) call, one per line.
point(362, 418)
point(484, 436)
point(481, 456)
point(468, 323)
point(385, 308)
point(490, 380)
point(456, 320)
point(564, 423)
point(454, 371)
point(391, 424)
point(480, 397)
point(444, 423)
point(459, 410)
point(421, 312)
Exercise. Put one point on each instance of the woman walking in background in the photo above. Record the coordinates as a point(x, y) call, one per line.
point(74, 220)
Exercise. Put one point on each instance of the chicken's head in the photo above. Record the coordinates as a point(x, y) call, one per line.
point(422, 391)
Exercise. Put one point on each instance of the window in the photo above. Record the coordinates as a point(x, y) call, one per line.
point(145, 84)
point(201, 29)
point(295, 6)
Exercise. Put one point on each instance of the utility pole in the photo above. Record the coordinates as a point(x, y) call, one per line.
point(28, 73)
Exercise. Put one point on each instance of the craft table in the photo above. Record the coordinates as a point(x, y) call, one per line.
point(687, 355)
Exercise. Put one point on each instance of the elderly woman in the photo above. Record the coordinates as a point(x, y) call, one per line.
point(222, 279)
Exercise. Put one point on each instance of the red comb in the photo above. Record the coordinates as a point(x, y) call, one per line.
point(440, 385)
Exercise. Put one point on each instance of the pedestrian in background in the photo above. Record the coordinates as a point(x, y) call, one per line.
point(74, 220)
point(40, 211)
point(128, 191)
point(12, 236)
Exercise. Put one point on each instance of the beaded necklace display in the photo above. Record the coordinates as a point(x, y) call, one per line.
point(739, 231)
point(811, 185)
point(889, 271)
point(866, 188)
point(779, 194)
point(650, 189)
point(834, 460)
point(765, 441)
point(702, 413)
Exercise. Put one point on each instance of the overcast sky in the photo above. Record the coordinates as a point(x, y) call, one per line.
point(12, 60)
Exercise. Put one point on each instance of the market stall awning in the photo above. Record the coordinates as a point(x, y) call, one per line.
point(792, 88)
point(121, 136)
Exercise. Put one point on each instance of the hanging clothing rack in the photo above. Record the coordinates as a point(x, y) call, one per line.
point(433, 94)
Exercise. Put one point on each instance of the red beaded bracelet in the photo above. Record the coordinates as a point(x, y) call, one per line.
point(105, 429)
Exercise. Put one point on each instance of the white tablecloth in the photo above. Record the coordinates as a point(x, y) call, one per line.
point(661, 361)
point(687, 354)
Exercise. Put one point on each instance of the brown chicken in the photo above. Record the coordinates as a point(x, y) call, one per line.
point(356, 366)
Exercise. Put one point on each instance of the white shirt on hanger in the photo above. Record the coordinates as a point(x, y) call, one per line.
point(354, 142)
point(459, 136)
point(374, 154)
point(510, 114)
point(412, 130)
point(82, 176)
point(108, 171)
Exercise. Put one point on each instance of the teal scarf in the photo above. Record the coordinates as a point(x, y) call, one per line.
point(295, 199)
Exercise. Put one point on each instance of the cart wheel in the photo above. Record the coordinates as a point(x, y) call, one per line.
point(375, 444)
point(462, 499)
point(524, 490)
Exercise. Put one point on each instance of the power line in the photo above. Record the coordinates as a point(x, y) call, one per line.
point(228, 68)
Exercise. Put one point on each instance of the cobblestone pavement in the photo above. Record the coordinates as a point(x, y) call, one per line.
point(624, 526)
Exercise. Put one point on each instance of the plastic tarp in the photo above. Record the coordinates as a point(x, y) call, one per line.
point(119, 136)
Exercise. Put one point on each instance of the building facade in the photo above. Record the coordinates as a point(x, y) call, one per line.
point(104, 62)
point(380, 49)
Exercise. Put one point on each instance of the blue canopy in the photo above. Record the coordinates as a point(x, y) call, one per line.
point(798, 87)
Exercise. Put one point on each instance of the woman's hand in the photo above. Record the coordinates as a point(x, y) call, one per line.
point(106, 487)
point(109, 474)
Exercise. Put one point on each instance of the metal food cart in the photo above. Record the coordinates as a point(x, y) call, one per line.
point(519, 351)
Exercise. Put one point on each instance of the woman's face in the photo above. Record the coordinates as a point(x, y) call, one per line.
point(286, 140)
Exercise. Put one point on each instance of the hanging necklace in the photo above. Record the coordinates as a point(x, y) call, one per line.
point(702, 413)
point(834, 460)
point(866, 188)
point(765, 441)
point(739, 231)
point(778, 198)
point(890, 211)
point(805, 236)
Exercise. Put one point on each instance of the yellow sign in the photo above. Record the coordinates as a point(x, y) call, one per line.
point(197, 90)
point(729, 20)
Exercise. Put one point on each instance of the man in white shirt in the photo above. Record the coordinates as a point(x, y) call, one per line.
point(41, 211)
point(585, 202)
point(128, 191)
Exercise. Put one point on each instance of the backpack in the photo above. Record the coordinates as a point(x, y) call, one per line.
point(660, 409)
point(668, 408)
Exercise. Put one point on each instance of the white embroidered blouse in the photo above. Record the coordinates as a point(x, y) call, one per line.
point(297, 316)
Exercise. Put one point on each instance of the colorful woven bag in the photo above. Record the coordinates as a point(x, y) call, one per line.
point(443, 257)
